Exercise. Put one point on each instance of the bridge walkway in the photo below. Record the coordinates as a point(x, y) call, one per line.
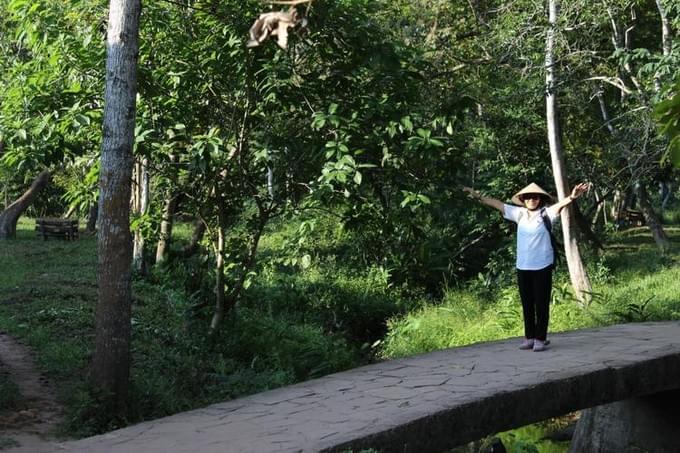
point(424, 403)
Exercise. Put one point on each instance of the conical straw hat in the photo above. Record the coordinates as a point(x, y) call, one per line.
point(531, 188)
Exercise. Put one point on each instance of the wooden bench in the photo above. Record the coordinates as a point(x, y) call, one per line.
point(634, 218)
point(57, 228)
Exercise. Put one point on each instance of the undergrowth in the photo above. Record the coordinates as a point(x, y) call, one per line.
point(307, 314)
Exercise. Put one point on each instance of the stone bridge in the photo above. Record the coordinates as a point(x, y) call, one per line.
point(430, 402)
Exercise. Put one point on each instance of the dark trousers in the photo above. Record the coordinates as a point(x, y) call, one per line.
point(534, 290)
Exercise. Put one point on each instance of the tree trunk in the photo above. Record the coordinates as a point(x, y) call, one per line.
point(218, 315)
point(585, 229)
point(652, 220)
point(141, 206)
point(666, 40)
point(10, 216)
point(618, 206)
point(111, 361)
point(92, 215)
point(577, 271)
point(224, 304)
point(70, 212)
point(167, 221)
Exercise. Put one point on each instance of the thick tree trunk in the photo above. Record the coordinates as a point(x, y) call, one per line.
point(111, 361)
point(577, 271)
point(652, 220)
point(170, 206)
point(10, 216)
point(141, 206)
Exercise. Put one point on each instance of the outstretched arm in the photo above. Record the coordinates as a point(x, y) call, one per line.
point(491, 202)
point(576, 192)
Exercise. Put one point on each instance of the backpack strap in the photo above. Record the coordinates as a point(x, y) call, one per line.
point(548, 226)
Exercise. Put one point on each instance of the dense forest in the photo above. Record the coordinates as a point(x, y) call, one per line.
point(261, 213)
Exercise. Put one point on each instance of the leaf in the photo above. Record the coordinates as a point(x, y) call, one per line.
point(306, 261)
point(674, 149)
point(357, 178)
point(82, 120)
point(406, 123)
point(423, 133)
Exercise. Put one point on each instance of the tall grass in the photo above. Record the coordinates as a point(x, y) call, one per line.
point(631, 282)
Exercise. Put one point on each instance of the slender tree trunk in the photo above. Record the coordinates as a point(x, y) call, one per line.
point(600, 209)
point(10, 216)
point(618, 207)
point(577, 271)
point(92, 216)
point(586, 230)
point(141, 205)
point(111, 361)
point(169, 208)
point(5, 194)
point(225, 304)
point(70, 212)
point(666, 39)
point(218, 315)
point(652, 220)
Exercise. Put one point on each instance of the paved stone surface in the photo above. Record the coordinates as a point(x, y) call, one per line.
point(423, 403)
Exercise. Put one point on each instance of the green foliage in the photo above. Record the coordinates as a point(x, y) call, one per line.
point(49, 292)
point(531, 439)
point(311, 273)
point(668, 115)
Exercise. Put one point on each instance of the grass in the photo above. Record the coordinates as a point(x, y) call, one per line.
point(48, 294)
point(302, 318)
point(632, 282)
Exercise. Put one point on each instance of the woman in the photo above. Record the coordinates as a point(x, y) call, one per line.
point(535, 255)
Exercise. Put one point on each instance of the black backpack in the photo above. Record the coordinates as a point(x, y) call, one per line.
point(557, 248)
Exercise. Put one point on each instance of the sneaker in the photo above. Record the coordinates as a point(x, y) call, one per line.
point(539, 345)
point(528, 343)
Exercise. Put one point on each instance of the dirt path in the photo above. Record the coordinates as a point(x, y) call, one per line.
point(26, 429)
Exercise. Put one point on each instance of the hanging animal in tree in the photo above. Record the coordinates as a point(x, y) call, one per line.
point(277, 23)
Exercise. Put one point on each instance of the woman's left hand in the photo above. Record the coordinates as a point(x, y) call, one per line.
point(579, 190)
